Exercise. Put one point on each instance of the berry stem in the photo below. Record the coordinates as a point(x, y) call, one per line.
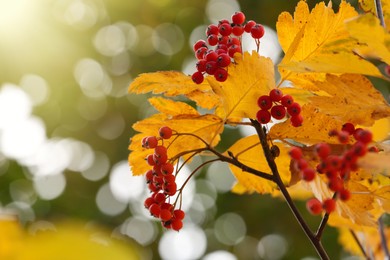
point(383, 237)
point(379, 12)
point(276, 176)
point(322, 226)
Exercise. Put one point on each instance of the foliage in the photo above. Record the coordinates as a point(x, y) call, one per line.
point(328, 55)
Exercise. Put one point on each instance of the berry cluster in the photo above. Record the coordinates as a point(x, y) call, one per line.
point(336, 168)
point(161, 182)
point(277, 105)
point(226, 37)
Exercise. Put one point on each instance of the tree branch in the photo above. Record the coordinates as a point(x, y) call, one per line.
point(271, 162)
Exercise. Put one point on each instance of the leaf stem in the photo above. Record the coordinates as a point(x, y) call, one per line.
point(379, 12)
point(271, 162)
point(359, 244)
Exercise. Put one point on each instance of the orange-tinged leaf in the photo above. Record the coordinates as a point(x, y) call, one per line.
point(369, 6)
point(315, 127)
point(172, 108)
point(383, 195)
point(321, 42)
point(367, 30)
point(174, 83)
point(376, 163)
point(249, 152)
point(250, 77)
point(351, 98)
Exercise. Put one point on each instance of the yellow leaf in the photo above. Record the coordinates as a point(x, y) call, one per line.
point(376, 163)
point(351, 98)
point(383, 195)
point(174, 83)
point(206, 127)
point(369, 6)
point(250, 77)
point(249, 152)
point(11, 237)
point(367, 30)
point(315, 127)
point(172, 108)
point(318, 42)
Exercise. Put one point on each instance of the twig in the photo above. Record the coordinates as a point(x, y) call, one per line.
point(270, 159)
point(379, 12)
point(359, 244)
point(322, 226)
point(383, 237)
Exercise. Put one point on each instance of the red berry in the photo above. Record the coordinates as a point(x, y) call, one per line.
point(223, 21)
point(296, 120)
point(151, 142)
point(177, 224)
point(167, 168)
point(149, 160)
point(336, 184)
point(167, 206)
point(263, 116)
point(329, 205)
point(169, 178)
point(233, 49)
point(302, 164)
point(165, 132)
point(322, 150)
point(149, 202)
point(278, 112)
point(179, 214)
point(199, 44)
point(197, 77)
point(257, 31)
point(344, 194)
point(387, 70)
point(221, 74)
point(295, 153)
point(343, 137)
point(225, 29)
point(373, 149)
point(308, 174)
point(223, 40)
point(170, 189)
point(211, 67)
point(160, 150)
point(159, 198)
point(199, 54)
point(155, 210)
point(287, 100)
point(223, 60)
point(276, 94)
point(248, 26)
point(238, 18)
point(364, 136)
point(294, 109)
point(210, 55)
point(333, 162)
point(359, 149)
point(233, 40)
point(212, 29)
point(237, 30)
point(160, 159)
point(165, 215)
point(201, 65)
point(349, 128)
point(264, 102)
point(212, 39)
point(149, 176)
point(314, 206)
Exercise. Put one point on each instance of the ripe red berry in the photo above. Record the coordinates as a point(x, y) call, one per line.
point(167, 168)
point(179, 214)
point(169, 178)
point(159, 198)
point(344, 194)
point(149, 202)
point(165, 132)
point(155, 210)
point(225, 29)
point(264, 102)
point(149, 160)
point(336, 184)
point(149, 176)
point(220, 74)
point(233, 40)
point(295, 153)
point(238, 18)
point(237, 30)
point(364, 136)
point(212, 29)
point(197, 77)
point(322, 150)
point(287, 100)
point(296, 120)
point(263, 116)
point(150, 142)
point(177, 224)
point(201, 65)
point(211, 67)
point(349, 128)
point(165, 215)
point(308, 174)
point(276, 94)
point(329, 205)
point(199, 54)
point(233, 49)
point(211, 55)
point(160, 150)
point(199, 44)
point(257, 31)
point(223, 60)
point(248, 26)
point(343, 137)
point(278, 112)
point(302, 164)
point(212, 39)
point(359, 149)
point(294, 109)
point(223, 40)
point(314, 206)
point(170, 189)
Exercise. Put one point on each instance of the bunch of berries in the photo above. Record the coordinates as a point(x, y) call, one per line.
point(226, 37)
point(336, 168)
point(277, 105)
point(161, 182)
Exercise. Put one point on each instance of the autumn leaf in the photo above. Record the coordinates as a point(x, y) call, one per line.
point(174, 83)
point(249, 152)
point(351, 98)
point(369, 6)
point(374, 38)
point(250, 77)
point(318, 41)
point(194, 131)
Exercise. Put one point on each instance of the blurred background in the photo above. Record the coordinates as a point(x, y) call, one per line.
point(65, 124)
